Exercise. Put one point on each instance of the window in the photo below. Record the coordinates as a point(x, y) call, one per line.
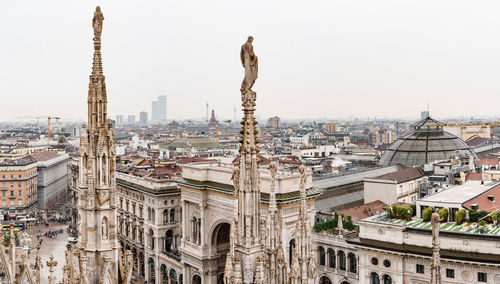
point(20, 192)
point(450, 273)
point(387, 279)
point(387, 263)
point(342, 260)
point(11, 193)
point(353, 267)
point(474, 207)
point(331, 258)
point(481, 277)
point(374, 278)
point(321, 252)
point(19, 176)
point(491, 197)
point(11, 184)
point(374, 261)
point(420, 268)
point(172, 215)
point(165, 216)
point(20, 202)
point(12, 203)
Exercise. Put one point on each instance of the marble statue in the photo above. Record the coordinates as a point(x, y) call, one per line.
point(97, 22)
point(250, 63)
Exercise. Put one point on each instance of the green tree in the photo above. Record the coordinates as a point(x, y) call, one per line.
point(427, 213)
point(460, 216)
point(443, 214)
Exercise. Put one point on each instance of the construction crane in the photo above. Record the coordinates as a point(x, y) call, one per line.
point(37, 117)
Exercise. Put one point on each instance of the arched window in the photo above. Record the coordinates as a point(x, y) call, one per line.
point(387, 279)
point(291, 246)
point(196, 279)
point(353, 266)
point(149, 214)
point(374, 279)
point(165, 216)
point(331, 258)
point(325, 280)
point(151, 239)
point(172, 215)
point(342, 260)
point(173, 276)
point(321, 255)
point(153, 215)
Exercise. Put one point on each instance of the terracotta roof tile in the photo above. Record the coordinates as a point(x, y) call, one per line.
point(483, 202)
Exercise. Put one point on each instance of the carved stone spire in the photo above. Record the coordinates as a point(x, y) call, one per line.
point(246, 177)
point(97, 242)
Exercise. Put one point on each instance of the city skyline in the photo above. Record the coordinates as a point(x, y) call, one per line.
point(393, 49)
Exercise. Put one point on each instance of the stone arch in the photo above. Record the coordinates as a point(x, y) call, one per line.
point(374, 278)
point(173, 276)
point(164, 273)
point(220, 236)
point(325, 280)
point(196, 279)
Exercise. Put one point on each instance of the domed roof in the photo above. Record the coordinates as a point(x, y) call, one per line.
point(428, 143)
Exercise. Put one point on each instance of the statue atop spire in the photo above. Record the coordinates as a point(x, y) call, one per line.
point(250, 63)
point(97, 23)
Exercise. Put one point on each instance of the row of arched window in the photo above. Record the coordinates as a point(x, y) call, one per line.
point(375, 279)
point(168, 216)
point(348, 263)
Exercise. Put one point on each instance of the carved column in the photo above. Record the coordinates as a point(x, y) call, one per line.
point(202, 229)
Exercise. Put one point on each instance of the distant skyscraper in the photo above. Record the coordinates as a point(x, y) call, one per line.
point(159, 110)
point(143, 118)
point(162, 109)
point(131, 119)
point(119, 121)
point(154, 112)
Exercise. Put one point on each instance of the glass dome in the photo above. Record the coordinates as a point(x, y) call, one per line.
point(428, 143)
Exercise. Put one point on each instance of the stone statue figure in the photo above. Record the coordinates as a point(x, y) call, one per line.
point(250, 63)
point(312, 268)
point(104, 228)
point(97, 22)
point(436, 222)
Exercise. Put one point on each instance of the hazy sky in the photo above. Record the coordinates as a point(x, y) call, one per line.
point(316, 58)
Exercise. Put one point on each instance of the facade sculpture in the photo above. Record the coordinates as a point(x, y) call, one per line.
point(250, 63)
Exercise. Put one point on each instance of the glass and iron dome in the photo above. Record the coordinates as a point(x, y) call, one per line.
point(428, 143)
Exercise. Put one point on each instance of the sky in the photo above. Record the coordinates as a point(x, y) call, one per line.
point(317, 59)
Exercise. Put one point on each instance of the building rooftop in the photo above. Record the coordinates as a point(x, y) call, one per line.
point(460, 193)
point(487, 201)
point(43, 155)
point(17, 162)
point(352, 178)
point(468, 228)
point(403, 175)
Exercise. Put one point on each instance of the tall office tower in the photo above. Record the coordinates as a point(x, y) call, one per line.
point(143, 118)
point(162, 109)
point(119, 120)
point(131, 120)
point(154, 112)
